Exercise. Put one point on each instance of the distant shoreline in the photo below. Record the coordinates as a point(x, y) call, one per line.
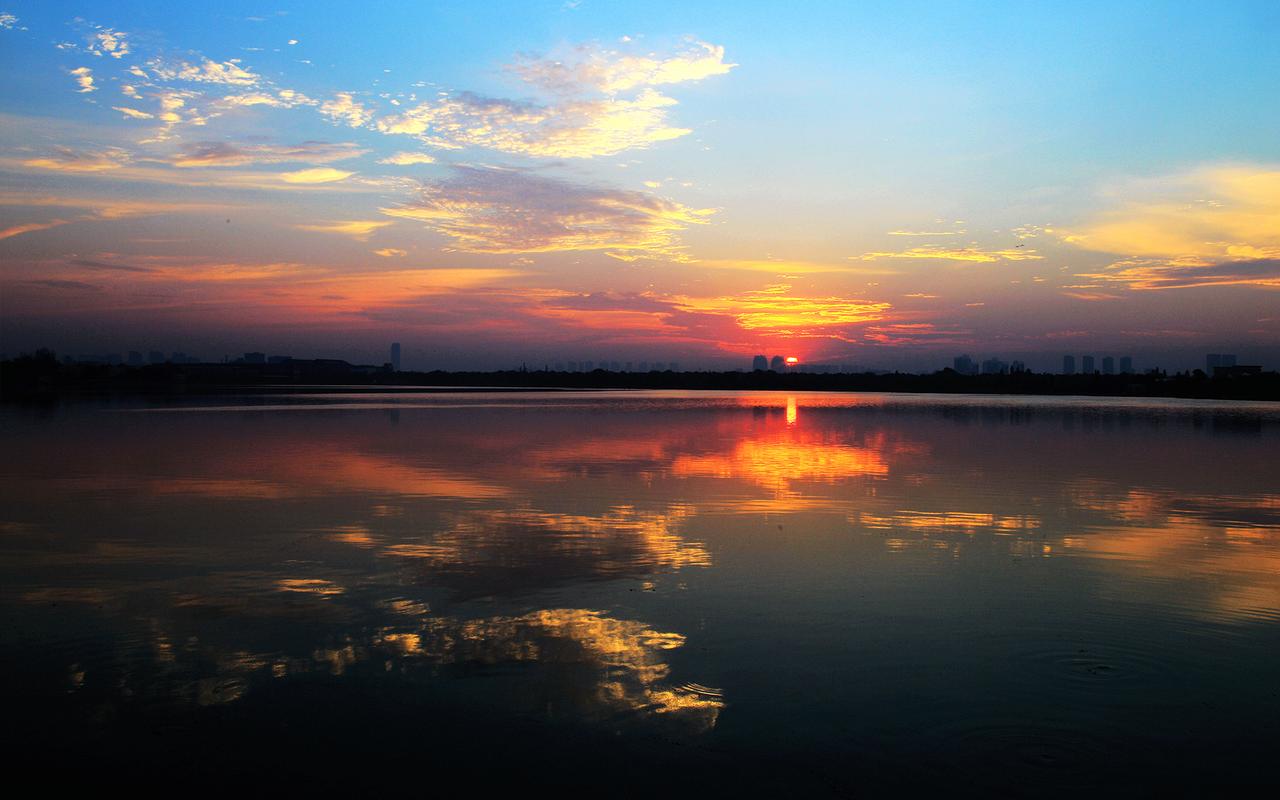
point(34, 378)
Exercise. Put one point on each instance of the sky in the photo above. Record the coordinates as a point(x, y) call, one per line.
point(885, 185)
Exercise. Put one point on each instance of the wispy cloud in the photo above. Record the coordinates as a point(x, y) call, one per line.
point(109, 42)
point(1209, 227)
point(1155, 273)
point(315, 175)
point(31, 227)
point(572, 129)
point(604, 103)
point(971, 254)
point(109, 207)
point(913, 333)
point(64, 159)
point(359, 229)
point(492, 210)
point(229, 73)
point(344, 108)
point(84, 79)
point(787, 266)
point(173, 111)
point(590, 67)
point(133, 113)
point(56, 283)
point(227, 154)
point(405, 159)
point(278, 98)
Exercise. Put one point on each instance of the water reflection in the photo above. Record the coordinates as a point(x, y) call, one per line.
point(613, 554)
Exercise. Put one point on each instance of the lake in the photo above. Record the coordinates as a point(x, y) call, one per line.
point(643, 592)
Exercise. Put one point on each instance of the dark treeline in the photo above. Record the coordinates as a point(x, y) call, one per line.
point(42, 375)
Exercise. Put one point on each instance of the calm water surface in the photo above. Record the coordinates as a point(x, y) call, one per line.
point(636, 593)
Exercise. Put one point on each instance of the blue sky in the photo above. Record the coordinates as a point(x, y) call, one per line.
point(875, 183)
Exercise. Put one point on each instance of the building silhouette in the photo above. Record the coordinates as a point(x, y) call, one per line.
point(777, 364)
point(1214, 360)
point(994, 366)
point(1108, 365)
point(1086, 365)
point(1126, 365)
point(965, 365)
point(395, 356)
point(1068, 365)
point(759, 364)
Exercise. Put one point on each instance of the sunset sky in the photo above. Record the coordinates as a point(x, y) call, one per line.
point(880, 184)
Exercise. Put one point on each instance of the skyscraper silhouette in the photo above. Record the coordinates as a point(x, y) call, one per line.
point(395, 356)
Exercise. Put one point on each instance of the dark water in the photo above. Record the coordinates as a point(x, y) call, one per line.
point(643, 594)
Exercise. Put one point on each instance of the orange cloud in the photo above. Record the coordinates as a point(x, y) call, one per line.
point(1210, 227)
point(776, 309)
point(359, 229)
point(64, 159)
point(31, 227)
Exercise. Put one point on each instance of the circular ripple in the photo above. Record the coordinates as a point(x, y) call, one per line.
point(1023, 746)
point(1082, 660)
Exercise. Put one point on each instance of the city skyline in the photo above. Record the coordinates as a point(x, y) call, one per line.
point(964, 364)
point(552, 182)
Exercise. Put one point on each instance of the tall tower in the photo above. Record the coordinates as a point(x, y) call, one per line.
point(759, 363)
point(1086, 365)
point(777, 364)
point(1068, 365)
point(395, 356)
